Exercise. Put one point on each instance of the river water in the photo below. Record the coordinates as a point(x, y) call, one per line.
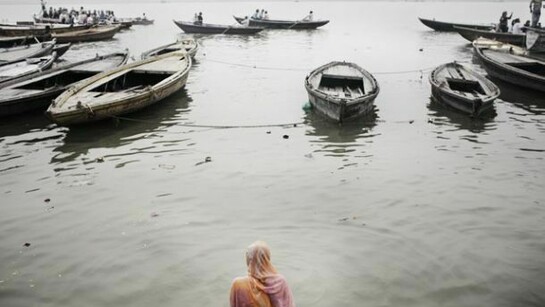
point(414, 206)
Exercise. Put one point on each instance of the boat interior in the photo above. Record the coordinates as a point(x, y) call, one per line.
point(466, 86)
point(66, 78)
point(131, 80)
point(342, 86)
point(532, 67)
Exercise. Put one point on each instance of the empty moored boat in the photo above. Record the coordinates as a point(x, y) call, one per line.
point(506, 65)
point(89, 35)
point(25, 52)
point(205, 28)
point(341, 90)
point(473, 34)
point(18, 69)
point(449, 26)
point(188, 45)
point(284, 24)
point(36, 91)
point(121, 90)
point(463, 89)
point(8, 42)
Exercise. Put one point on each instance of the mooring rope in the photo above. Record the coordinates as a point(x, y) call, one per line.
point(420, 70)
point(284, 125)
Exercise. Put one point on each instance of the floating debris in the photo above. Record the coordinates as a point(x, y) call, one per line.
point(47, 200)
point(26, 244)
point(344, 219)
point(206, 160)
point(411, 121)
point(167, 166)
point(154, 214)
point(285, 136)
point(100, 159)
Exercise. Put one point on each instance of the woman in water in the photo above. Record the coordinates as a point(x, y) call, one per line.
point(263, 286)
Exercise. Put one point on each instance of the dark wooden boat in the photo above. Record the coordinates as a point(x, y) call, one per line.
point(61, 49)
point(24, 52)
point(510, 38)
point(535, 40)
point(188, 45)
point(341, 90)
point(35, 92)
point(7, 42)
point(449, 26)
point(283, 24)
point(89, 35)
point(463, 89)
point(122, 90)
point(17, 30)
point(504, 64)
point(13, 70)
point(190, 27)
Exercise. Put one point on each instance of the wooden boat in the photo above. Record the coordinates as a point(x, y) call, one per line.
point(142, 21)
point(40, 19)
point(520, 70)
point(188, 45)
point(122, 90)
point(283, 24)
point(495, 45)
point(205, 28)
point(35, 92)
point(535, 40)
point(341, 90)
point(449, 26)
point(17, 30)
point(90, 35)
point(510, 38)
point(7, 42)
point(463, 89)
point(25, 52)
point(20, 68)
point(61, 49)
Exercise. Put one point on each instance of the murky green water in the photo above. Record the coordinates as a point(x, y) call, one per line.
point(416, 206)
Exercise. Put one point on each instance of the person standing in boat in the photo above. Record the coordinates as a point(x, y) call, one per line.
point(262, 286)
point(199, 19)
point(261, 14)
point(535, 9)
point(504, 22)
point(196, 18)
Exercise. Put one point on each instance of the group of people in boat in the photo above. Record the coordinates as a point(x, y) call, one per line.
point(197, 19)
point(264, 15)
point(81, 16)
point(516, 27)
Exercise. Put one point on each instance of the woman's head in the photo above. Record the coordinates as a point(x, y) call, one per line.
point(258, 259)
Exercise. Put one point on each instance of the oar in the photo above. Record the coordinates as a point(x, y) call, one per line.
point(293, 25)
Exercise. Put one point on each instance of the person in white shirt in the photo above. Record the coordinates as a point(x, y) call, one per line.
point(266, 16)
point(261, 14)
point(245, 22)
point(309, 17)
point(256, 14)
point(518, 27)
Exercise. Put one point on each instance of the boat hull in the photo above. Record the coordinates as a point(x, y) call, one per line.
point(15, 31)
point(284, 24)
point(473, 107)
point(505, 73)
point(89, 35)
point(215, 29)
point(340, 111)
point(472, 34)
point(449, 26)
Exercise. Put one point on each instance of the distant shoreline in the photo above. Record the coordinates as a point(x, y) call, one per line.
point(68, 2)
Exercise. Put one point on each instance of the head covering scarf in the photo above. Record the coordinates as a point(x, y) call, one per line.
point(263, 275)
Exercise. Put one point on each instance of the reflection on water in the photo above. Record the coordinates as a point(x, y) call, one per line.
point(442, 115)
point(526, 99)
point(123, 131)
point(339, 140)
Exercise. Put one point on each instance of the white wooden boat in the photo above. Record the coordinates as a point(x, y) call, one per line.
point(341, 90)
point(122, 90)
point(463, 89)
point(25, 52)
point(188, 45)
point(17, 69)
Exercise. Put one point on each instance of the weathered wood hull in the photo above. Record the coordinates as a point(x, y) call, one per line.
point(285, 24)
point(472, 34)
point(510, 74)
point(15, 70)
point(125, 103)
point(341, 109)
point(473, 107)
point(16, 99)
point(449, 26)
point(535, 40)
point(24, 52)
point(189, 27)
point(90, 35)
point(8, 42)
point(15, 31)
point(189, 45)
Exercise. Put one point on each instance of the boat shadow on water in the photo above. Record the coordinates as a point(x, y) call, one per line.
point(340, 140)
point(123, 130)
point(443, 115)
point(526, 99)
